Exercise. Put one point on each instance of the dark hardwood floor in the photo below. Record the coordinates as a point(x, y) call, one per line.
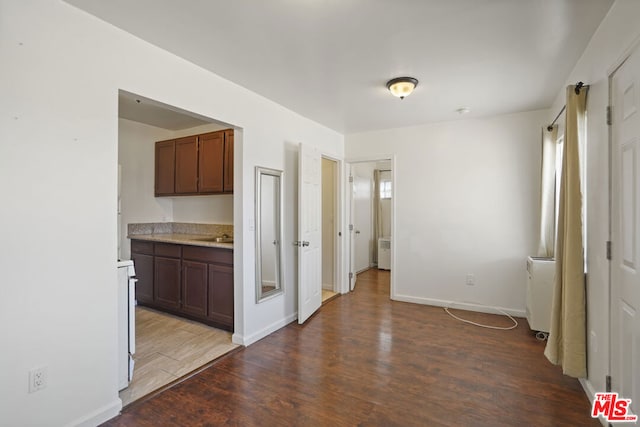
point(364, 360)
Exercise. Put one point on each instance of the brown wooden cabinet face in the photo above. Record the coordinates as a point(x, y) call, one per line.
point(193, 281)
point(197, 164)
point(228, 162)
point(144, 273)
point(194, 288)
point(165, 168)
point(221, 294)
point(211, 162)
point(187, 165)
point(166, 277)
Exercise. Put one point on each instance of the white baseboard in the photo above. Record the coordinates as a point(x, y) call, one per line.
point(588, 388)
point(591, 394)
point(459, 305)
point(99, 416)
point(248, 340)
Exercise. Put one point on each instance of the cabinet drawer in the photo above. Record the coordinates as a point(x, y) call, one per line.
point(168, 250)
point(214, 255)
point(141, 247)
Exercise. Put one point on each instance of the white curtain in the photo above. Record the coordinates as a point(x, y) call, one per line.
point(548, 193)
point(567, 338)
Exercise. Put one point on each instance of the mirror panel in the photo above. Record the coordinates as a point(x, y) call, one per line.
point(268, 233)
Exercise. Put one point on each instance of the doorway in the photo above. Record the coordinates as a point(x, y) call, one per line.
point(167, 347)
point(370, 217)
point(330, 228)
point(330, 231)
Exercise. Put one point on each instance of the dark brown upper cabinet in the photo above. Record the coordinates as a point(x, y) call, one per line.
point(165, 168)
point(197, 164)
point(211, 162)
point(228, 161)
point(187, 165)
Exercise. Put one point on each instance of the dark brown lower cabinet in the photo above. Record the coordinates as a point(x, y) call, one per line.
point(194, 288)
point(195, 282)
point(221, 294)
point(166, 281)
point(144, 273)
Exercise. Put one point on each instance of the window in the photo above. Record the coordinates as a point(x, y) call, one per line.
point(385, 189)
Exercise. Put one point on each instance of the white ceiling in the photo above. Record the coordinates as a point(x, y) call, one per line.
point(329, 60)
point(143, 110)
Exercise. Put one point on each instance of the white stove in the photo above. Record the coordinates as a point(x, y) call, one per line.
point(126, 322)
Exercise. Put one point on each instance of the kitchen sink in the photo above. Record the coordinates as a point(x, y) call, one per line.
point(217, 239)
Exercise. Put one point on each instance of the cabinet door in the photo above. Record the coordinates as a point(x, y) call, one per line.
point(228, 161)
point(167, 282)
point(187, 165)
point(144, 273)
point(221, 295)
point(211, 162)
point(165, 168)
point(194, 288)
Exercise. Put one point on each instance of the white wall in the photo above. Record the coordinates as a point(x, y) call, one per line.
point(213, 209)
point(466, 197)
point(61, 71)
point(616, 34)
point(136, 155)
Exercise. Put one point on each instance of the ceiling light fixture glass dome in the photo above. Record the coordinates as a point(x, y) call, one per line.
point(402, 86)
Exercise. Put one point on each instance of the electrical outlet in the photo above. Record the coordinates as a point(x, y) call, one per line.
point(471, 280)
point(37, 379)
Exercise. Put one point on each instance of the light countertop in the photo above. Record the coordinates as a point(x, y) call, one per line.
point(183, 239)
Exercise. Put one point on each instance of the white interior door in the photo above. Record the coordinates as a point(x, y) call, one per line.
point(625, 232)
point(309, 232)
point(362, 222)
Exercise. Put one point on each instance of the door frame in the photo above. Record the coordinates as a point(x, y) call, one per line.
point(348, 207)
point(611, 71)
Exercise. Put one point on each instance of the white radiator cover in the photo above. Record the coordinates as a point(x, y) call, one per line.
point(384, 253)
point(540, 273)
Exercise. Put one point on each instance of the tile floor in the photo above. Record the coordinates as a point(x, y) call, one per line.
point(169, 347)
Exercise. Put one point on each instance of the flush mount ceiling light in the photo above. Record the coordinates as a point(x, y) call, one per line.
point(463, 110)
point(402, 86)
